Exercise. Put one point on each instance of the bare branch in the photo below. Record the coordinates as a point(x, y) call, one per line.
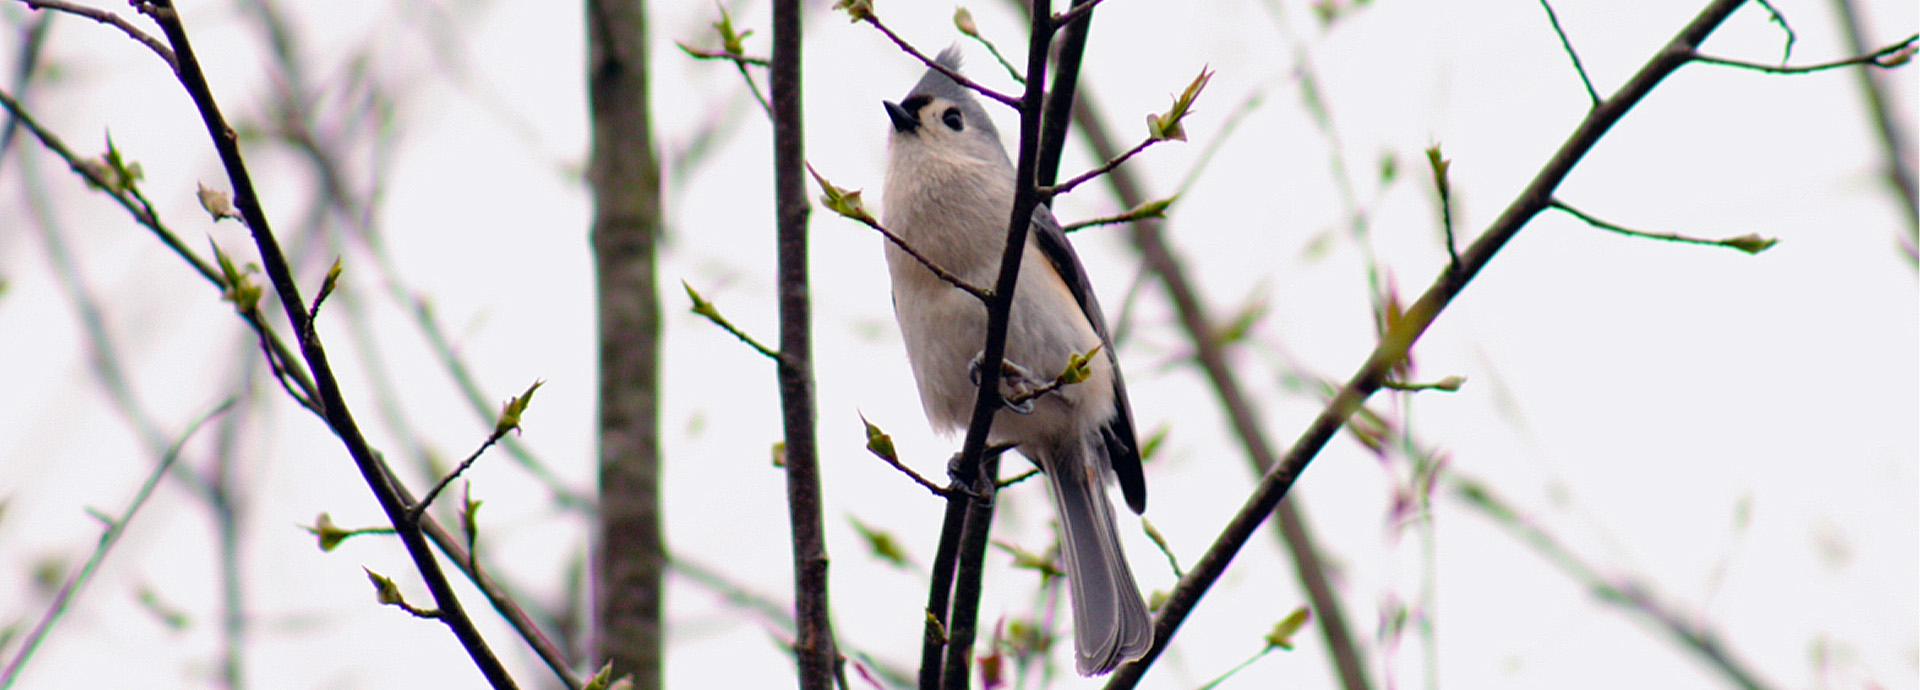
point(815, 649)
point(1888, 57)
point(706, 309)
point(957, 77)
point(848, 205)
point(1749, 243)
point(116, 21)
point(332, 400)
point(1077, 180)
point(704, 54)
point(1398, 340)
point(1078, 10)
point(1554, 19)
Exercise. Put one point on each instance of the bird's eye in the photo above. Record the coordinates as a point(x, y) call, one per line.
point(952, 118)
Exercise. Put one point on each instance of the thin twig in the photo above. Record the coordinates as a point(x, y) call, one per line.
point(1399, 339)
point(722, 55)
point(1774, 15)
point(1885, 58)
point(957, 77)
point(105, 17)
point(711, 313)
point(1749, 243)
point(477, 400)
point(420, 507)
point(1016, 479)
point(1064, 187)
point(917, 478)
point(1057, 118)
point(978, 293)
point(1074, 373)
point(765, 107)
point(1567, 45)
point(1151, 209)
point(1013, 72)
point(1078, 10)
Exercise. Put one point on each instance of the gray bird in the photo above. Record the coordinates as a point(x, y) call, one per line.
point(948, 193)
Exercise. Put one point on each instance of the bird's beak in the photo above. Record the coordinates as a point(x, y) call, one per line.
point(903, 121)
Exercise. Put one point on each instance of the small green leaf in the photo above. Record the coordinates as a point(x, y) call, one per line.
point(700, 305)
point(1153, 442)
point(1028, 560)
point(170, 616)
point(384, 590)
point(601, 678)
point(1168, 125)
point(468, 509)
point(330, 534)
point(1152, 209)
point(1897, 58)
point(733, 42)
point(1750, 243)
point(1237, 328)
point(510, 411)
point(963, 20)
point(237, 285)
point(1079, 366)
point(216, 203)
point(779, 454)
point(840, 200)
point(878, 442)
point(327, 286)
point(1282, 634)
point(1439, 166)
point(1369, 428)
point(881, 543)
point(1154, 534)
point(856, 9)
point(110, 171)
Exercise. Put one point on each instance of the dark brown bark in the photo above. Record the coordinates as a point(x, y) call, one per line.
point(630, 562)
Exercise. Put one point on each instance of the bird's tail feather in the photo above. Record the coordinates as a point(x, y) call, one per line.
point(1110, 622)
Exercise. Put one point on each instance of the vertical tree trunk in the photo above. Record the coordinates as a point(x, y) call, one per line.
point(630, 558)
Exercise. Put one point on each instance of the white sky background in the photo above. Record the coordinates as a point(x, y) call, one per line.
point(1634, 397)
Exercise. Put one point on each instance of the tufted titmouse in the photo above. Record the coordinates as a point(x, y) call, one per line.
point(948, 192)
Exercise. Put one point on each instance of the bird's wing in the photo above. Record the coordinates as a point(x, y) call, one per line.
point(1122, 446)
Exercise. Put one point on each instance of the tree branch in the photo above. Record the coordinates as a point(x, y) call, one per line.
point(1398, 340)
point(1210, 354)
point(814, 646)
point(332, 401)
point(1567, 45)
point(114, 20)
point(1887, 57)
point(972, 470)
point(957, 77)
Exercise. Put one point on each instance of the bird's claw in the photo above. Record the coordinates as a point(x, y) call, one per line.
point(1017, 386)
